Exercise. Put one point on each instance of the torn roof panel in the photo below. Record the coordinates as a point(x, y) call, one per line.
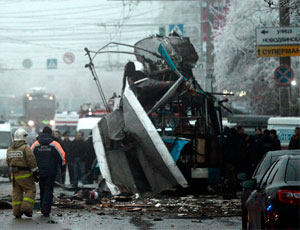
point(140, 162)
point(137, 122)
point(180, 50)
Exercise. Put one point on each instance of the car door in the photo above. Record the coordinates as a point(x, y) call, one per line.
point(256, 201)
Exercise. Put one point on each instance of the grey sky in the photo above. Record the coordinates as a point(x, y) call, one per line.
point(40, 30)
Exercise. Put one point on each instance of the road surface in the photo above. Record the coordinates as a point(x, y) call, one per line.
point(69, 219)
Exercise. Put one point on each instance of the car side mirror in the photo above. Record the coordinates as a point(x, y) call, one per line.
point(241, 176)
point(249, 184)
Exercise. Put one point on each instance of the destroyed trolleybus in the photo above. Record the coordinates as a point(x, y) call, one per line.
point(188, 122)
point(166, 130)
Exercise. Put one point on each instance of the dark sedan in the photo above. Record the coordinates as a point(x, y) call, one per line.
point(259, 172)
point(275, 202)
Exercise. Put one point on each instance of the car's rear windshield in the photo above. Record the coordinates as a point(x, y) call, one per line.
point(293, 170)
point(265, 163)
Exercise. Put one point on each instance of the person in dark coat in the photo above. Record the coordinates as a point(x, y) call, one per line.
point(78, 152)
point(257, 150)
point(90, 159)
point(49, 154)
point(241, 150)
point(269, 143)
point(277, 144)
point(60, 176)
point(67, 145)
point(230, 159)
point(295, 140)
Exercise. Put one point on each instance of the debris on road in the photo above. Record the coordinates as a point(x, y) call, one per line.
point(202, 206)
point(5, 205)
point(51, 222)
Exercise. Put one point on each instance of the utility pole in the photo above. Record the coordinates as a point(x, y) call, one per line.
point(209, 48)
point(284, 17)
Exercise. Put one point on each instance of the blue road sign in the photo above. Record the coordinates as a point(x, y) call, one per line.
point(178, 28)
point(52, 63)
point(284, 75)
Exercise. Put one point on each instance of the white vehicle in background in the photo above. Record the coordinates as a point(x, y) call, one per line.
point(5, 141)
point(285, 127)
point(86, 124)
point(226, 123)
point(66, 122)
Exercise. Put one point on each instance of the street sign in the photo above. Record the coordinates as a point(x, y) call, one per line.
point(69, 58)
point(52, 63)
point(278, 51)
point(277, 36)
point(178, 28)
point(27, 63)
point(284, 75)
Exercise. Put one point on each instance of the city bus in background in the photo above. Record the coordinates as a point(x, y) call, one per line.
point(285, 127)
point(39, 108)
point(66, 122)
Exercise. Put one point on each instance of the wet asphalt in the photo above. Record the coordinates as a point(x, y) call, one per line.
point(67, 219)
point(73, 220)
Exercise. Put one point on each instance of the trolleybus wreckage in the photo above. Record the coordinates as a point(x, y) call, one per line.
point(166, 130)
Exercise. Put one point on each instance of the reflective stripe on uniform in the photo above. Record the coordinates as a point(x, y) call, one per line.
point(34, 144)
point(28, 200)
point(59, 150)
point(16, 202)
point(22, 176)
point(34, 169)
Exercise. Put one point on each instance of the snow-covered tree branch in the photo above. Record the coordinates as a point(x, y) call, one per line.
point(292, 5)
point(237, 67)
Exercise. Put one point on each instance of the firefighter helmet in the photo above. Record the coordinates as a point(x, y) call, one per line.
point(20, 135)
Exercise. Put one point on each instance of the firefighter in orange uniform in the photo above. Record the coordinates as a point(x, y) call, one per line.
point(24, 171)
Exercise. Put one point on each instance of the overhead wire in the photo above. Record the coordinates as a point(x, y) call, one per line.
point(52, 16)
point(88, 36)
point(30, 43)
point(92, 69)
point(92, 16)
point(59, 36)
point(61, 9)
point(120, 27)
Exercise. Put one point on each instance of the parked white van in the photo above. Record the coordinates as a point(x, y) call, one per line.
point(86, 124)
point(66, 122)
point(5, 141)
point(285, 127)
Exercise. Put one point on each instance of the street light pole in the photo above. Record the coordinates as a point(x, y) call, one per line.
point(284, 94)
point(209, 48)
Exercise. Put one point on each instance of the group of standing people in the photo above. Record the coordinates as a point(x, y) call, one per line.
point(243, 152)
point(40, 163)
point(80, 158)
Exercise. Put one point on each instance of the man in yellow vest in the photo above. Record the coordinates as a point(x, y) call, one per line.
point(24, 172)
